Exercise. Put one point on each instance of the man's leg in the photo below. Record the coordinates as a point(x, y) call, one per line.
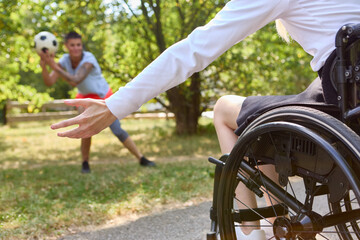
point(124, 137)
point(131, 146)
point(85, 153)
point(226, 111)
point(85, 149)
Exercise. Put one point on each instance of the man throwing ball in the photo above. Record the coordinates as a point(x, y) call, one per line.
point(80, 69)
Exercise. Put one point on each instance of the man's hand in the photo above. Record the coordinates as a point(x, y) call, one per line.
point(46, 58)
point(93, 120)
point(43, 58)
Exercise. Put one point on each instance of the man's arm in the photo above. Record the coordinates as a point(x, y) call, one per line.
point(58, 71)
point(238, 19)
point(49, 78)
point(80, 75)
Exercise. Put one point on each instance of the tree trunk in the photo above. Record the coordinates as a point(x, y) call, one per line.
point(185, 104)
point(184, 100)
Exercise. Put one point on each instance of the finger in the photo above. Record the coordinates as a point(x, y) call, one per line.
point(72, 133)
point(42, 55)
point(77, 102)
point(66, 123)
point(78, 132)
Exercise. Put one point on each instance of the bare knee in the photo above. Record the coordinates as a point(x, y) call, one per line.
point(219, 108)
point(226, 110)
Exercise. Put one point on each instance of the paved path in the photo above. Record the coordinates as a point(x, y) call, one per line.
point(186, 223)
point(190, 223)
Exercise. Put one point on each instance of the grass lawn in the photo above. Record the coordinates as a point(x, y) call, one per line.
point(43, 193)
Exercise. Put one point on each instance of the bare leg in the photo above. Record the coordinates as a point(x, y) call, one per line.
point(85, 148)
point(85, 143)
point(226, 112)
point(127, 142)
point(269, 171)
point(130, 145)
point(85, 153)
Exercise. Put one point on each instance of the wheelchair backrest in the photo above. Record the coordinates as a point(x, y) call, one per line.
point(341, 73)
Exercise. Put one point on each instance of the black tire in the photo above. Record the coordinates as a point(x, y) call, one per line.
point(324, 155)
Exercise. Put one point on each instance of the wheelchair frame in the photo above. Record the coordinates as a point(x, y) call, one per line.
point(344, 75)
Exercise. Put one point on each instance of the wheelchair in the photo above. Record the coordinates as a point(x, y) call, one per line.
point(316, 155)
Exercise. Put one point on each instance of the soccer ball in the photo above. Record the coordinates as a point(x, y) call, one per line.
point(45, 41)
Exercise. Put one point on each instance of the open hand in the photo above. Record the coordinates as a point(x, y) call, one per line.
point(93, 120)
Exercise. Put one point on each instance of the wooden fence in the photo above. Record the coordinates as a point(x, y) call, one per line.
point(57, 109)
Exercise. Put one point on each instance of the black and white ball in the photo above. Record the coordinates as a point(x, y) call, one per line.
point(46, 41)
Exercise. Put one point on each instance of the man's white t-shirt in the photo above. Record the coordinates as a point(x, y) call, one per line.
point(312, 23)
point(94, 81)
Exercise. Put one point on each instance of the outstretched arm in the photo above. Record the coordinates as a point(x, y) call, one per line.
point(93, 120)
point(180, 61)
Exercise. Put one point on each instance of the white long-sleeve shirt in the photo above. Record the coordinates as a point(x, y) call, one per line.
point(312, 23)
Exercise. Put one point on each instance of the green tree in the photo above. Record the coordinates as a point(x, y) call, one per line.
point(263, 64)
point(125, 38)
point(148, 30)
point(16, 55)
point(20, 21)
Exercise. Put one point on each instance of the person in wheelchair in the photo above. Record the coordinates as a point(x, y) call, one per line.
point(311, 23)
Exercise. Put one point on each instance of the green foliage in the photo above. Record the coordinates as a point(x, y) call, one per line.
point(139, 37)
point(20, 78)
point(125, 38)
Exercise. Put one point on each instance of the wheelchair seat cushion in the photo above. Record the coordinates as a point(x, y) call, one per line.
point(254, 106)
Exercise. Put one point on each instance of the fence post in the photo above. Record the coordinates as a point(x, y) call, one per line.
point(4, 111)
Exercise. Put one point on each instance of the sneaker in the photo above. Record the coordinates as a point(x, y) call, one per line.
point(85, 167)
point(256, 234)
point(146, 162)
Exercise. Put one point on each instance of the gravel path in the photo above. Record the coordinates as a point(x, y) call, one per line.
point(188, 223)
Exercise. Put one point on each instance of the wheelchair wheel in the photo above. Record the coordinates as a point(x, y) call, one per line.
point(316, 158)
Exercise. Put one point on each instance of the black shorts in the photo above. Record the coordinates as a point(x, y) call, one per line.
point(254, 106)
